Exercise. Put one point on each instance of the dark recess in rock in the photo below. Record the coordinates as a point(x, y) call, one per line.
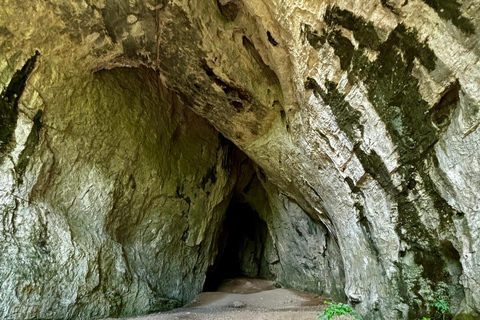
point(211, 176)
point(30, 145)
point(261, 174)
point(267, 71)
point(228, 149)
point(271, 39)
point(283, 115)
point(181, 195)
point(228, 10)
point(442, 111)
point(239, 107)
point(241, 247)
point(387, 5)
point(237, 96)
point(133, 183)
point(9, 102)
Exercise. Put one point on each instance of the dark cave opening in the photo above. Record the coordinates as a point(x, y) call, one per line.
point(241, 251)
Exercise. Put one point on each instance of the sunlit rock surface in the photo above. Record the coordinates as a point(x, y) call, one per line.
point(361, 118)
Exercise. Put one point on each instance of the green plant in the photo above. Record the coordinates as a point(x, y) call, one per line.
point(442, 306)
point(337, 309)
point(426, 318)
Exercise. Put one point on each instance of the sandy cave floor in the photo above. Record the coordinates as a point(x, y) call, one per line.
point(246, 299)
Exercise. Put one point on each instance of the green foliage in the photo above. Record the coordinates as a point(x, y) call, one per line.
point(426, 318)
point(337, 309)
point(442, 306)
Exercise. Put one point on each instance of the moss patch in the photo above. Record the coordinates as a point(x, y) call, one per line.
point(347, 117)
point(393, 91)
point(313, 38)
point(464, 316)
point(412, 125)
point(450, 10)
point(342, 46)
point(392, 88)
point(363, 31)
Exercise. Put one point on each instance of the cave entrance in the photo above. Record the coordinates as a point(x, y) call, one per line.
point(242, 245)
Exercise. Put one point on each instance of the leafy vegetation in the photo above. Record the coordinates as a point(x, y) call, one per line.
point(340, 309)
point(442, 306)
point(337, 309)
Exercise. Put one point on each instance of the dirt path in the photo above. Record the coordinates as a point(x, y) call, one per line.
point(247, 299)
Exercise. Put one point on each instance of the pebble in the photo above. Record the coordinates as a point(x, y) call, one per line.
point(238, 304)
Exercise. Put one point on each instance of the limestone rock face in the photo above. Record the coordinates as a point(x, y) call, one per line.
point(362, 118)
point(299, 250)
point(117, 209)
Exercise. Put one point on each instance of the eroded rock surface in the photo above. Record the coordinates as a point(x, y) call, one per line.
point(117, 210)
point(362, 115)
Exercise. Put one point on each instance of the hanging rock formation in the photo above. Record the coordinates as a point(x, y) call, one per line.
point(361, 119)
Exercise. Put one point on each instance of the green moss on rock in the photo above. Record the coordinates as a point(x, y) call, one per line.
point(394, 93)
point(450, 10)
point(465, 316)
point(313, 38)
point(363, 31)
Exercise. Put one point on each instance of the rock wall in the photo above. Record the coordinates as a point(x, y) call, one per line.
point(300, 251)
point(111, 200)
point(363, 113)
point(268, 235)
